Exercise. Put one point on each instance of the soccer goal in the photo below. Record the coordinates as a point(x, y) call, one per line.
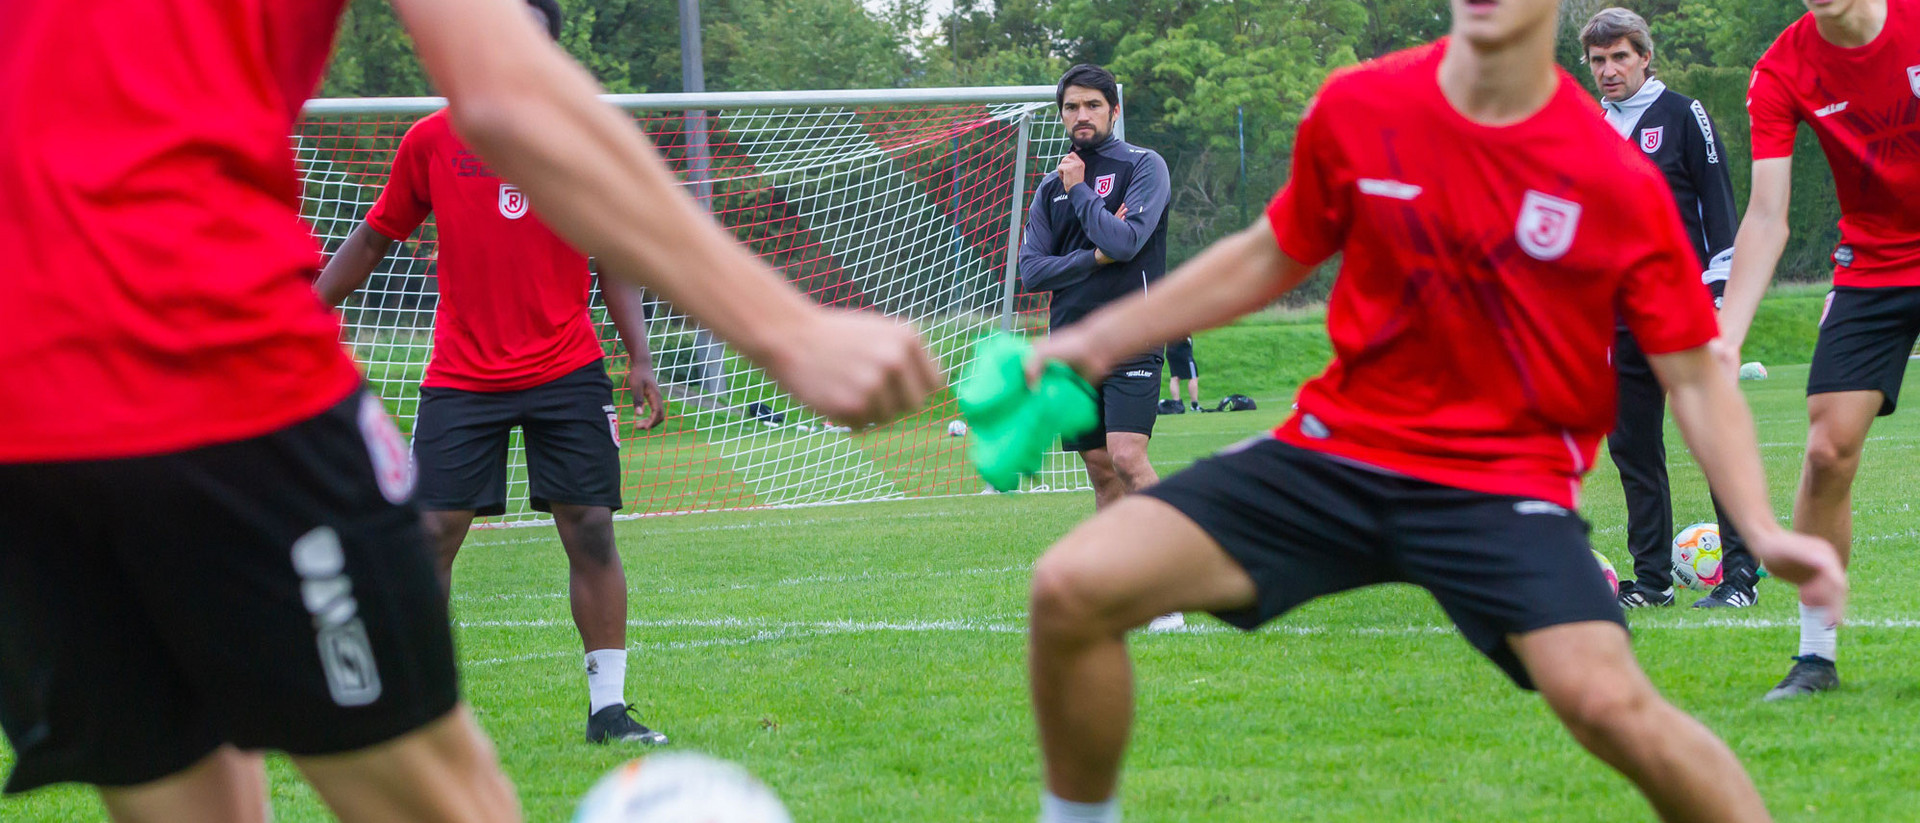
point(904, 201)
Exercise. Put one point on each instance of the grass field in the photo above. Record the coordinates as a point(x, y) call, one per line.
point(867, 661)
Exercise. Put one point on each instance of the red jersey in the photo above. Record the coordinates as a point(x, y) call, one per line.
point(513, 295)
point(155, 276)
point(1483, 269)
point(1864, 105)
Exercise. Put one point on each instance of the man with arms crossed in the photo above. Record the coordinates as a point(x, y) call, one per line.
point(186, 450)
point(1850, 70)
point(1097, 232)
point(1490, 229)
point(1675, 133)
point(513, 345)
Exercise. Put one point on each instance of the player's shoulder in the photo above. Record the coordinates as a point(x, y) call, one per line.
point(1788, 51)
point(1138, 155)
point(1382, 79)
point(435, 126)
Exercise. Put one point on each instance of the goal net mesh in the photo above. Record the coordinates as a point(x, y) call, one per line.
point(902, 209)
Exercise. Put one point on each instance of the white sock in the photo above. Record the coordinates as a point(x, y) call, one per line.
point(606, 678)
point(1055, 810)
point(1818, 635)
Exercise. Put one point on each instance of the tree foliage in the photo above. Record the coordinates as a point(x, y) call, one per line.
point(1192, 70)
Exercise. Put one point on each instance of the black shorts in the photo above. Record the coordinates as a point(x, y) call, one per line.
point(1304, 525)
point(1180, 360)
point(1129, 402)
point(572, 440)
point(272, 593)
point(1866, 336)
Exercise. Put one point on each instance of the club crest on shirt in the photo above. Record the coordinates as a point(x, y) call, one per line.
point(1650, 139)
point(1547, 226)
point(1103, 185)
point(1913, 79)
point(513, 202)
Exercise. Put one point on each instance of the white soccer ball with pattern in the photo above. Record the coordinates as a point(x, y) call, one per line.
point(680, 787)
point(1696, 556)
point(1607, 571)
point(957, 428)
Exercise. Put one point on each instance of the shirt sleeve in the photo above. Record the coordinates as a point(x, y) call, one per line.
point(405, 201)
point(1147, 194)
point(1040, 268)
point(1770, 109)
point(1661, 298)
point(1712, 185)
point(1311, 214)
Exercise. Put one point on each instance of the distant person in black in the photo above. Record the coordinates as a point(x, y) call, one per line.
point(1679, 137)
point(1181, 366)
point(1097, 232)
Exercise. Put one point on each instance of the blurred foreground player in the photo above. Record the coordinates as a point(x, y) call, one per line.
point(1488, 225)
point(1849, 70)
point(513, 346)
point(206, 540)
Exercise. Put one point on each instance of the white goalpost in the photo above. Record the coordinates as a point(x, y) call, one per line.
point(905, 201)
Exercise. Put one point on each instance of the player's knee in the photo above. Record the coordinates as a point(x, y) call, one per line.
point(1063, 601)
point(1831, 458)
point(587, 532)
point(1602, 706)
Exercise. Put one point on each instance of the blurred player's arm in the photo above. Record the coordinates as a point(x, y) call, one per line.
point(1713, 417)
point(350, 266)
point(1040, 268)
point(627, 308)
point(1120, 236)
point(532, 114)
point(1713, 185)
point(1756, 250)
point(1239, 274)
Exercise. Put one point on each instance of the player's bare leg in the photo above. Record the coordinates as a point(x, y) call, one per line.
point(1588, 675)
point(1193, 389)
point(1128, 451)
point(1837, 428)
point(443, 772)
point(446, 530)
point(596, 583)
point(1838, 423)
point(1173, 387)
point(227, 786)
point(1138, 559)
point(1108, 488)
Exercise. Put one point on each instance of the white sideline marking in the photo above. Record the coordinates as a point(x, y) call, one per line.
point(772, 630)
point(790, 581)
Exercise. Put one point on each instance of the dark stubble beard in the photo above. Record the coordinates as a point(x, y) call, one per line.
point(1097, 138)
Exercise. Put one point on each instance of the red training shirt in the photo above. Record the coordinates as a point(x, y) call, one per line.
point(1484, 267)
point(513, 295)
point(1864, 105)
point(155, 276)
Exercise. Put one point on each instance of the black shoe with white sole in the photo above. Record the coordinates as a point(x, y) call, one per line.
point(1730, 594)
point(1811, 673)
point(1635, 596)
point(619, 724)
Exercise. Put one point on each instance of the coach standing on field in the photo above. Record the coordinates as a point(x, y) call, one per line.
point(1677, 135)
point(1097, 232)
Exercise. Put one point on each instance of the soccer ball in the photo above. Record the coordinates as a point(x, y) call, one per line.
point(680, 787)
point(957, 428)
point(1606, 570)
point(1753, 371)
point(1696, 556)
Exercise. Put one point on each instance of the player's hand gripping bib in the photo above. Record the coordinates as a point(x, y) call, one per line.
point(1011, 424)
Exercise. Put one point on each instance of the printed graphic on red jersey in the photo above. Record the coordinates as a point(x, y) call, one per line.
point(513, 202)
point(1547, 225)
point(1650, 139)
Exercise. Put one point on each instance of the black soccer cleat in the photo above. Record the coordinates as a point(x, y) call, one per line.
point(618, 724)
point(1730, 594)
point(1635, 596)
point(1811, 673)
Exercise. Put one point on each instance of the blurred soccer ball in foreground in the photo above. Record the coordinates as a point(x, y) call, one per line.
point(1696, 556)
point(1606, 569)
point(1753, 371)
point(680, 787)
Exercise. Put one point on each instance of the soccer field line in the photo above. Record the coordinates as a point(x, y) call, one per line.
point(788, 581)
point(769, 630)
